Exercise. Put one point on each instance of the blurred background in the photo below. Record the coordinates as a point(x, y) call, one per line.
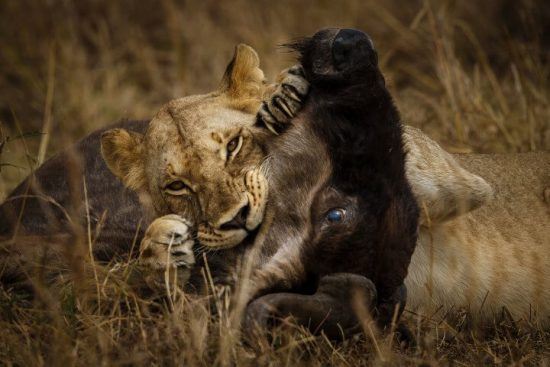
point(473, 74)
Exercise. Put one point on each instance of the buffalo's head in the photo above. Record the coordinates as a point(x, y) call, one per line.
point(341, 201)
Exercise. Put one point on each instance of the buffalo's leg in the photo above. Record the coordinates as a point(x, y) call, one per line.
point(332, 309)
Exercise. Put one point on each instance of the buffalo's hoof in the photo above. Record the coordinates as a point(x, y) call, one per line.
point(330, 310)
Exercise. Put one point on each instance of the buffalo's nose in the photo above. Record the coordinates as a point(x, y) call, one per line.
point(239, 221)
point(349, 46)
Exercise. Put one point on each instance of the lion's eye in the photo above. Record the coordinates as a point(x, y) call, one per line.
point(336, 215)
point(233, 146)
point(176, 187)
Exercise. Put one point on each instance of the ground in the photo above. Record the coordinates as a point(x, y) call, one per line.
point(473, 75)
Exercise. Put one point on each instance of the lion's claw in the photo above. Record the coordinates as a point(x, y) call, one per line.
point(277, 112)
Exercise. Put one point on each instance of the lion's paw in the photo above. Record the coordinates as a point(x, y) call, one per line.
point(288, 98)
point(168, 243)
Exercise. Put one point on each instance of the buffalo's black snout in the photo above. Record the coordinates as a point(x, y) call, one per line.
point(338, 55)
point(352, 47)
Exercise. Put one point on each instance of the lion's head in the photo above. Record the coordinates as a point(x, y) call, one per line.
point(200, 156)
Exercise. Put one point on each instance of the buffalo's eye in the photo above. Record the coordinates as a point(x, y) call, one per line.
point(336, 215)
point(177, 187)
point(234, 146)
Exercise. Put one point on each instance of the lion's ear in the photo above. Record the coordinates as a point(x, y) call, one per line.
point(123, 153)
point(442, 187)
point(244, 81)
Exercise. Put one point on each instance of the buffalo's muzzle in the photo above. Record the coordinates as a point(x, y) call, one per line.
point(351, 47)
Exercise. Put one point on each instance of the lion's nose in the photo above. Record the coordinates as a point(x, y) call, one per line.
point(239, 221)
point(350, 46)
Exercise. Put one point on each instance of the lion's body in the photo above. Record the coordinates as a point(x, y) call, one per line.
point(497, 255)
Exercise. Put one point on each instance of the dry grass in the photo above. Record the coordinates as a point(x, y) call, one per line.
point(100, 320)
point(473, 75)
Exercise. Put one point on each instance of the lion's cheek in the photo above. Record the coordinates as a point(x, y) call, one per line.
point(257, 192)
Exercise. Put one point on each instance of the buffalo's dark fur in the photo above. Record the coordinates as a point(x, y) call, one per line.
point(51, 201)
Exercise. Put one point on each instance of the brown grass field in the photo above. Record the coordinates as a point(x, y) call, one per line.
point(474, 75)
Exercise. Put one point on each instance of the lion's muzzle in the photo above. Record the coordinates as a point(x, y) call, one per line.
point(249, 215)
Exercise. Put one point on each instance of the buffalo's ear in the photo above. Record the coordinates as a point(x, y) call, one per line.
point(244, 82)
point(441, 186)
point(123, 152)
